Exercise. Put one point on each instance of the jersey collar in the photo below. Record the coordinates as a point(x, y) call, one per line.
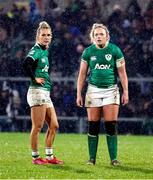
point(41, 46)
point(104, 46)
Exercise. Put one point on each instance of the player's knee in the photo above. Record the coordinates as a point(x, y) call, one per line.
point(93, 127)
point(54, 126)
point(37, 128)
point(111, 128)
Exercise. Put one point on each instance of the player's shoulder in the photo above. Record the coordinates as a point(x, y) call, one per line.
point(34, 51)
point(113, 48)
point(90, 48)
point(112, 45)
point(36, 47)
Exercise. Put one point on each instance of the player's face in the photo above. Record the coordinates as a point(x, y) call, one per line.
point(100, 37)
point(44, 37)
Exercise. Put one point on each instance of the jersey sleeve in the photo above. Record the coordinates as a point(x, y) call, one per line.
point(28, 64)
point(33, 53)
point(119, 57)
point(85, 56)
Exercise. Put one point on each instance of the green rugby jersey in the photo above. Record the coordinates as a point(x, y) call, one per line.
point(41, 71)
point(102, 64)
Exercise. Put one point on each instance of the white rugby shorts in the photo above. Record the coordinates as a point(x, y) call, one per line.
point(98, 97)
point(38, 97)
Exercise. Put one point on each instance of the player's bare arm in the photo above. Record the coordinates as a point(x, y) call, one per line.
point(80, 82)
point(124, 82)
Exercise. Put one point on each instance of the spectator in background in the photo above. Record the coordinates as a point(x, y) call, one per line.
point(79, 50)
point(133, 10)
point(115, 21)
point(146, 62)
point(4, 98)
point(55, 48)
point(68, 52)
point(10, 105)
point(4, 101)
point(57, 94)
point(69, 100)
point(14, 106)
point(148, 109)
point(148, 22)
point(34, 15)
point(5, 53)
point(16, 62)
point(53, 9)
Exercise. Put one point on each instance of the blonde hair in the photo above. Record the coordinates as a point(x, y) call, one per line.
point(95, 26)
point(43, 25)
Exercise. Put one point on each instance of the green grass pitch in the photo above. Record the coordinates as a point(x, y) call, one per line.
point(135, 153)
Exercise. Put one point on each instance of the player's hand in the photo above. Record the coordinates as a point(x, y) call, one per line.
point(79, 101)
point(40, 81)
point(125, 97)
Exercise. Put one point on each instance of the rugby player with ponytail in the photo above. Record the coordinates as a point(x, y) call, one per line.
point(36, 65)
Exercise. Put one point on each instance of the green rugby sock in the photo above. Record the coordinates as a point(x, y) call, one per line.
point(92, 146)
point(112, 146)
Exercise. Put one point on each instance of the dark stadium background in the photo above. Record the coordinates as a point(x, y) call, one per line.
point(130, 23)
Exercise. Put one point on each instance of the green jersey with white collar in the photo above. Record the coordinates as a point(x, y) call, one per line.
point(102, 63)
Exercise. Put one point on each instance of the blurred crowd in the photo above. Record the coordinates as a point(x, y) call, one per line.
point(131, 29)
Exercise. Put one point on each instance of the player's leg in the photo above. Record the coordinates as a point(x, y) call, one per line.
point(38, 118)
point(110, 113)
point(51, 119)
point(94, 116)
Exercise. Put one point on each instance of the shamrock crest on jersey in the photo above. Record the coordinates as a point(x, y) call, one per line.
point(108, 57)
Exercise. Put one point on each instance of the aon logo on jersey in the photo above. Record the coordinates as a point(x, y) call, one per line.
point(102, 66)
point(45, 69)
